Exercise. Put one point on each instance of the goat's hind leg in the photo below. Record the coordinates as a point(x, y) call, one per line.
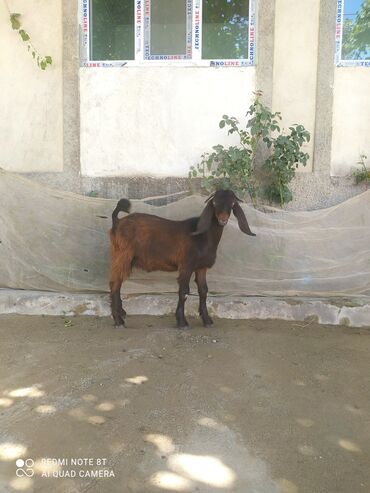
point(119, 274)
point(201, 280)
point(118, 313)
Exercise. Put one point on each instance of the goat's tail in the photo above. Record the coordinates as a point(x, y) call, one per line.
point(124, 205)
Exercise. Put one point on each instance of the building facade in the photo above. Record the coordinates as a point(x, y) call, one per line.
point(136, 89)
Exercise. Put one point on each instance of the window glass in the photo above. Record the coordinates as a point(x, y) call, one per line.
point(112, 30)
point(205, 32)
point(356, 30)
point(168, 27)
point(225, 29)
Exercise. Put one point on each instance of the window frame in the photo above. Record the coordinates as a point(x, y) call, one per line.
point(141, 34)
point(339, 62)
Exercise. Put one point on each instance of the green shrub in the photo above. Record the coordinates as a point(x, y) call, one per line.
point(242, 167)
point(362, 174)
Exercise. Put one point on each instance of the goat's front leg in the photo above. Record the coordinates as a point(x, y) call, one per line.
point(201, 280)
point(183, 279)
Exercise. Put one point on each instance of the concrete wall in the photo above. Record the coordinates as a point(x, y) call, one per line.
point(31, 123)
point(295, 64)
point(351, 118)
point(141, 128)
point(157, 121)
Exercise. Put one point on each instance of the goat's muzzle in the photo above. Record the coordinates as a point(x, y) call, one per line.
point(222, 221)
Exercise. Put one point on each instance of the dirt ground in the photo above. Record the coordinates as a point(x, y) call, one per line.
point(246, 406)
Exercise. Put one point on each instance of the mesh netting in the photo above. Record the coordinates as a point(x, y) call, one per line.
point(58, 241)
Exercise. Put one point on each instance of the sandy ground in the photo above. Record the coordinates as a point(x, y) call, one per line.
point(247, 406)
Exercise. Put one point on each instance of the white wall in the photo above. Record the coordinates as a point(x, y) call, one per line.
point(351, 118)
point(157, 121)
point(31, 123)
point(295, 64)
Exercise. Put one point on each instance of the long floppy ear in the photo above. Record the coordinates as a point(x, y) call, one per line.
point(242, 220)
point(205, 220)
point(210, 197)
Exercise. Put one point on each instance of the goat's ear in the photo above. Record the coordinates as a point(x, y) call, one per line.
point(210, 197)
point(242, 220)
point(205, 220)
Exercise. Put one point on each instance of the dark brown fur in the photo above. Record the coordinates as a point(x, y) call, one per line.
point(151, 243)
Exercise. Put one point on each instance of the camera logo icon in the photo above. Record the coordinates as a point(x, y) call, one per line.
point(25, 468)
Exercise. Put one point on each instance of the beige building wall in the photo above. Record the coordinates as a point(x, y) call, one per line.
point(157, 121)
point(31, 123)
point(351, 118)
point(295, 64)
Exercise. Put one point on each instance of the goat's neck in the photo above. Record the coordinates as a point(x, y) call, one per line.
point(215, 233)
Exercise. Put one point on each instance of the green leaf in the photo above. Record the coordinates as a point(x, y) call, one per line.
point(48, 59)
point(14, 19)
point(24, 35)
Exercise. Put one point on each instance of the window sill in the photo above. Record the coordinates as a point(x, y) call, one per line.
point(169, 63)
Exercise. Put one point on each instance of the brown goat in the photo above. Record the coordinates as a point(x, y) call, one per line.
point(152, 243)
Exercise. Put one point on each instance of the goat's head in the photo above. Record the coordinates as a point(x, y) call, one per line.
point(219, 205)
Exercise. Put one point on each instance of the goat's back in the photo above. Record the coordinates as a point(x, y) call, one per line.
point(141, 223)
point(154, 243)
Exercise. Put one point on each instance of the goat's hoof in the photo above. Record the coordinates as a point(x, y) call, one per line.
point(182, 325)
point(119, 326)
point(208, 322)
point(119, 321)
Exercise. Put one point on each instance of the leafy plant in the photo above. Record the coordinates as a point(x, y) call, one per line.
point(226, 168)
point(283, 161)
point(362, 174)
point(92, 193)
point(243, 169)
point(42, 61)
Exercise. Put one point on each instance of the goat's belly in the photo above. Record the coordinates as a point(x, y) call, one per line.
point(153, 265)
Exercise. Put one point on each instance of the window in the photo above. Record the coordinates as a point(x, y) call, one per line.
point(112, 30)
point(225, 29)
point(194, 32)
point(167, 30)
point(353, 33)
